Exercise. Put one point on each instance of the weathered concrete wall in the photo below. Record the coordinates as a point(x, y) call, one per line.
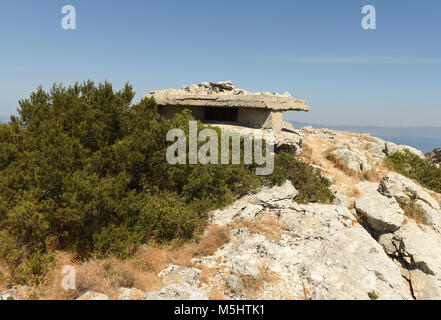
point(169, 111)
point(254, 117)
point(258, 118)
point(226, 95)
point(251, 117)
point(277, 121)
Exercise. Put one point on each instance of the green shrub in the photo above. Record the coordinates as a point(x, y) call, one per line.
point(33, 269)
point(434, 156)
point(424, 171)
point(312, 186)
point(82, 169)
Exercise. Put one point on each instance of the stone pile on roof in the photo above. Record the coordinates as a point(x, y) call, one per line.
point(225, 94)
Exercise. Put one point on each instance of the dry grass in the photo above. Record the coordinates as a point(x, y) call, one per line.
point(373, 175)
point(340, 165)
point(3, 277)
point(415, 212)
point(351, 205)
point(308, 154)
point(252, 285)
point(354, 193)
point(319, 152)
point(214, 238)
point(216, 294)
point(376, 174)
point(306, 292)
point(271, 228)
point(106, 276)
point(363, 137)
point(205, 275)
point(140, 271)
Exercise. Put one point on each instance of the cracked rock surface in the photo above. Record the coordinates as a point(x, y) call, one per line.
point(324, 250)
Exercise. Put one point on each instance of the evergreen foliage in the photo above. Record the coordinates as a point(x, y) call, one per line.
point(427, 173)
point(82, 169)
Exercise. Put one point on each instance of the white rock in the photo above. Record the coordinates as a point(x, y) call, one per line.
point(366, 187)
point(405, 190)
point(91, 295)
point(178, 274)
point(383, 214)
point(276, 196)
point(376, 148)
point(353, 159)
point(325, 250)
point(234, 283)
point(419, 249)
point(402, 188)
point(245, 268)
point(340, 196)
point(182, 291)
point(250, 206)
point(390, 148)
point(16, 293)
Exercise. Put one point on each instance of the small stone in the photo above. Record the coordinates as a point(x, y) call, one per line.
point(178, 274)
point(16, 293)
point(235, 283)
point(182, 291)
point(245, 268)
point(91, 295)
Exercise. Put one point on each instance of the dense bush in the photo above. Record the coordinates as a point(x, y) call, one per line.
point(414, 167)
point(434, 156)
point(312, 186)
point(82, 169)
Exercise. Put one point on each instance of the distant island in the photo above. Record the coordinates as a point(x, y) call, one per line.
point(425, 139)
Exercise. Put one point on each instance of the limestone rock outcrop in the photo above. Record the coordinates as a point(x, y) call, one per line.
point(383, 214)
point(365, 245)
point(324, 250)
point(352, 159)
point(391, 148)
point(250, 206)
point(417, 249)
point(177, 274)
point(181, 291)
point(406, 191)
point(402, 188)
point(16, 293)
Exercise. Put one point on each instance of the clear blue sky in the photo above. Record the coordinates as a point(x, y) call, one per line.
point(315, 49)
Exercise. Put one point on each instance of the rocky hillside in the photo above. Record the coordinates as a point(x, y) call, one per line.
point(434, 156)
point(380, 239)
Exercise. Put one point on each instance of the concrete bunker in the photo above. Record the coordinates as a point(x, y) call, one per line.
point(222, 102)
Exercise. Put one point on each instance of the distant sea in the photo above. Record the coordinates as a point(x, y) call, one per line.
point(422, 138)
point(425, 144)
